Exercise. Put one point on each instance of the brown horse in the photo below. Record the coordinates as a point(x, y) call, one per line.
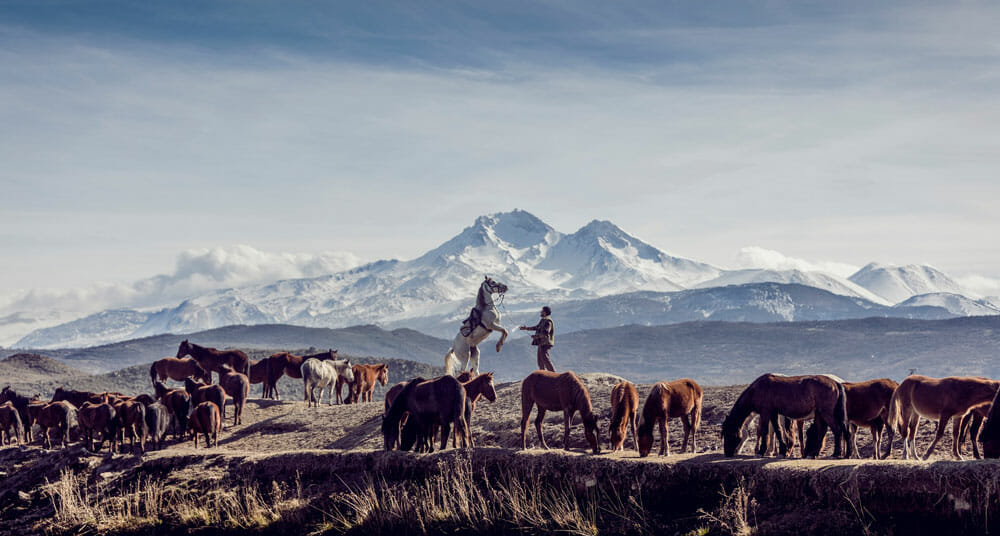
point(971, 424)
point(286, 363)
point(10, 418)
point(867, 405)
point(429, 402)
point(937, 399)
point(207, 393)
point(557, 392)
point(178, 403)
point(59, 415)
point(20, 403)
point(624, 407)
point(98, 419)
point(236, 386)
point(77, 398)
point(679, 398)
point(211, 359)
point(365, 376)
point(795, 397)
point(205, 419)
point(131, 416)
point(177, 369)
point(258, 374)
point(478, 387)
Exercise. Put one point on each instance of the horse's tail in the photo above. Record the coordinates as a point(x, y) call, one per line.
point(152, 373)
point(450, 359)
point(896, 411)
point(840, 414)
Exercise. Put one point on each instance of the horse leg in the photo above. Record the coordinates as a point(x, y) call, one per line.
point(538, 427)
point(977, 421)
point(665, 436)
point(942, 422)
point(956, 445)
point(762, 430)
point(445, 431)
point(473, 361)
point(635, 436)
point(686, 421)
point(525, 413)
point(567, 421)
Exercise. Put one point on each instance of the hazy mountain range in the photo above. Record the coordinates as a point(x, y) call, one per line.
point(598, 276)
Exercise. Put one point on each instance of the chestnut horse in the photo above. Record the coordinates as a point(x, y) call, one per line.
point(211, 359)
point(937, 399)
point(795, 397)
point(365, 376)
point(624, 408)
point(286, 363)
point(553, 391)
point(207, 393)
point(429, 402)
point(178, 403)
point(258, 374)
point(205, 419)
point(971, 424)
point(237, 386)
point(867, 405)
point(10, 418)
point(59, 415)
point(98, 419)
point(178, 369)
point(679, 398)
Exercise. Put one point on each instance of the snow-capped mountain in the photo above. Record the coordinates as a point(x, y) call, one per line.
point(828, 282)
point(433, 292)
point(956, 304)
point(898, 283)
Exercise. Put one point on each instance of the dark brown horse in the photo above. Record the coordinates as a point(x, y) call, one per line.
point(937, 399)
point(553, 391)
point(971, 424)
point(178, 403)
point(477, 387)
point(429, 402)
point(990, 435)
point(206, 393)
point(10, 418)
point(177, 369)
point(131, 416)
point(867, 405)
point(286, 363)
point(20, 403)
point(236, 386)
point(365, 376)
point(795, 397)
point(624, 408)
point(258, 374)
point(205, 419)
point(60, 415)
point(77, 398)
point(98, 419)
point(211, 359)
point(667, 400)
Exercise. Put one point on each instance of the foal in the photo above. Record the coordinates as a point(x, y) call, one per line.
point(679, 398)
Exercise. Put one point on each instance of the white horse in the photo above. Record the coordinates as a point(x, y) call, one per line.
point(317, 374)
point(465, 347)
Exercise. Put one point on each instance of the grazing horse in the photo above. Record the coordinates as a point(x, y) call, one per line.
point(237, 386)
point(211, 359)
point(991, 431)
point(624, 407)
point(207, 393)
point(318, 374)
point(937, 399)
point(971, 424)
point(429, 402)
point(20, 403)
point(157, 422)
point(258, 374)
point(365, 376)
point(867, 405)
point(131, 417)
point(291, 365)
point(795, 397)
point(60, 415)
point(10, 418)
point(98, 419)
point(465, 348)
point(205, 419)
point(679, 398)
point(178, 403)
point(177, 369)
point(553, 391)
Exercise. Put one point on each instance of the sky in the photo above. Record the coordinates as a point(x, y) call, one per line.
point(145, 141)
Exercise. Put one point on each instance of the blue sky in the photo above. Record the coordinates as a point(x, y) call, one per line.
point(828, 131)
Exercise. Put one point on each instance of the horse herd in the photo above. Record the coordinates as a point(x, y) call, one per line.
point(418, 410)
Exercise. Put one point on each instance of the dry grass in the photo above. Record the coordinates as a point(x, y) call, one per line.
point(736, 513)
point(145, 504)
point(460, 500)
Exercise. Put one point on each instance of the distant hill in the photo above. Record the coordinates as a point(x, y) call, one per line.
point(357, 340)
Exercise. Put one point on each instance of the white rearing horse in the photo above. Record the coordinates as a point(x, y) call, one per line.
point(465, 348)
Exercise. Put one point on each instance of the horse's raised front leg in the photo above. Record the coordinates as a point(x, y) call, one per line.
point(494, 326)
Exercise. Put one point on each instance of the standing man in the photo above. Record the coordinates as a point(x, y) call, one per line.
point(544, 338)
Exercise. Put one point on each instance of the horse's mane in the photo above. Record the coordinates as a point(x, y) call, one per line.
point(741, 409)
point(481, 296)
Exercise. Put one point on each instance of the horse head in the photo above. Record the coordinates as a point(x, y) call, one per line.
point(494, 287)
point(490, 391)
point(184, 349)
point(390, 432)
point(731, 436)
point(592, 432)
point(383, 374)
